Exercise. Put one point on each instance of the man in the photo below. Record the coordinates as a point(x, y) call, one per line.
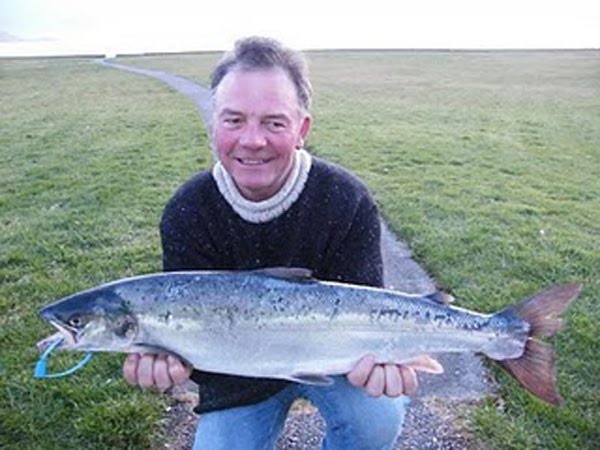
point(267, 202)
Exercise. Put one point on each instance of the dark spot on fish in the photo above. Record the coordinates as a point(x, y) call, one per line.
point(336, 308)
point(373, 315)
point(124, 326)
point(389, 314)
point(125, 306)
point(471, 326)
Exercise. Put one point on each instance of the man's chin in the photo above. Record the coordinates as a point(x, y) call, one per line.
point(255, 191)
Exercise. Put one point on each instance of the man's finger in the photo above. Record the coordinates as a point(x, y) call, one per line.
point(130, 368)
point(162, 379)
point(145, 370)
point(178, 371)
point(376, 383)
point(360, 374)
point(393, 380)
point(409, 379)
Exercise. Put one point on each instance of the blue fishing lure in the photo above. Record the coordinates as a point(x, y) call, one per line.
point(41, 367)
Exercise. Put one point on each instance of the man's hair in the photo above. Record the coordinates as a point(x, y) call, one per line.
point(256, 53)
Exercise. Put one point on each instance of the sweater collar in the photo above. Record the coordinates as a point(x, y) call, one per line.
point(269, 209)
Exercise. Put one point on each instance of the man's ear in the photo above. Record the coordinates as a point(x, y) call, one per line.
point(304, 131)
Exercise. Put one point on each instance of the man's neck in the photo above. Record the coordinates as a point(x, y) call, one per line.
point(272, 206)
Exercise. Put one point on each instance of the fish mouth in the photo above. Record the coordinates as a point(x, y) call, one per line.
point(69, 336)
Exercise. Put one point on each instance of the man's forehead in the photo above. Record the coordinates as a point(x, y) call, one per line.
point(272, 84)
point(271, 114)
point(238, 72)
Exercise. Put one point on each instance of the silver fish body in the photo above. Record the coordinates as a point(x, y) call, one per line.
point(277, 323)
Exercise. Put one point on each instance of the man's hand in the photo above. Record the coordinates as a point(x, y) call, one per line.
point(391, 379)
point(150, 370)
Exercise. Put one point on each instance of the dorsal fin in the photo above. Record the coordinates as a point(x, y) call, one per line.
point(289, 273)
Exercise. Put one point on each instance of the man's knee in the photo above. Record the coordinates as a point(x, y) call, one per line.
point(374, 427)
point(247, 427)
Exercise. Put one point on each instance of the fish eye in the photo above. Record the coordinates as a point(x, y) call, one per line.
point(75, 321)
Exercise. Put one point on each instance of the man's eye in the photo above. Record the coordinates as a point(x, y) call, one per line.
point(232, 121)
point(275, 125)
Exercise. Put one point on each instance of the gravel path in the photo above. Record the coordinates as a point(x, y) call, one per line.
point(439, 415)
point(190, 89)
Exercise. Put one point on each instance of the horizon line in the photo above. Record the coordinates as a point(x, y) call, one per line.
point(103, 55)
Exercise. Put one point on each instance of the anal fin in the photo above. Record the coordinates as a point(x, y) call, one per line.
point(313, 379)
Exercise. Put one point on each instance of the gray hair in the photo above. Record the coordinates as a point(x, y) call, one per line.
point(255, 53)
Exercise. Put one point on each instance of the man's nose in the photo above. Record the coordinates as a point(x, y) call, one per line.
point(253, 137)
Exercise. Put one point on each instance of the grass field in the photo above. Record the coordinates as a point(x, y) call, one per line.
point(487, 163)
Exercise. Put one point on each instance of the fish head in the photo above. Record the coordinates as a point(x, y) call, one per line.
point(95, 320)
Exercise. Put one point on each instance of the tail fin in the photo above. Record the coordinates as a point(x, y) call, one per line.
point(535, 368)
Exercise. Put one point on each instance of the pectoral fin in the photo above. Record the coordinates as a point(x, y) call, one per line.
point(312, 379)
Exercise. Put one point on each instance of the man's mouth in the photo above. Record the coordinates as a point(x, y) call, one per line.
point(252, 161)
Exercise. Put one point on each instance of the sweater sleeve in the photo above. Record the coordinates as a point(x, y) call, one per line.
point(185, 243)
point(180, 251)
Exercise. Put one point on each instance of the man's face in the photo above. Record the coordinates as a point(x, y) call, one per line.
point(257, 126)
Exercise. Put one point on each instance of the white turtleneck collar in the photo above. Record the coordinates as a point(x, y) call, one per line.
point(266, 210)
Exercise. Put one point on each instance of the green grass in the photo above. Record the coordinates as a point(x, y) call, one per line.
point(89, 157)
point(486, 163)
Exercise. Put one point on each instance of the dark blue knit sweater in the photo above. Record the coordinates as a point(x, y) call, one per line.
point(332, 229)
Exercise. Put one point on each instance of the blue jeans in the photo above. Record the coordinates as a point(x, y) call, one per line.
point(354, 419)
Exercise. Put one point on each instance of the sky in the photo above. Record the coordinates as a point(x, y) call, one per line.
point(136, 26)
